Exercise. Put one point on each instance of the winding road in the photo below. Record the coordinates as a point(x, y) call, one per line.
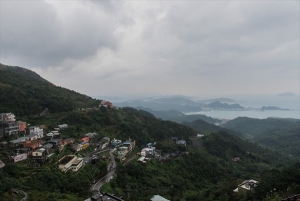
point(110, 172)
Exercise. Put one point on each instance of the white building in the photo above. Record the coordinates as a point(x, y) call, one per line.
point(36, 131)
point(63, 126)
point(246, 186)
point(2, 164)
point(10, 128)
point(7, 117)
point(70, 162)
point(181, 142)
point(25, 138)
point(158, 198)
point(146, 151)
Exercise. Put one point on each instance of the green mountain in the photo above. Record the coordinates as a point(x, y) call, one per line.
point(276, 133)
point(23, 71)
point(204, 127)
point(24, 92)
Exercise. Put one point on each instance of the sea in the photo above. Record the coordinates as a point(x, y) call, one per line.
point(259, 114)
point(253, 105)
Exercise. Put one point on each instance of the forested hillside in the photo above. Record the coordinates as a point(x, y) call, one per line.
point(23, 71)
point(276, 133)
point(23, 92)
point(204, 127)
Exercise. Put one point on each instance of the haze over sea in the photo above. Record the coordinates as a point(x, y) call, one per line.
point(292, 103)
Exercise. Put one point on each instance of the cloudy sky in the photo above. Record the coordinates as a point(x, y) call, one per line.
point(175, 47)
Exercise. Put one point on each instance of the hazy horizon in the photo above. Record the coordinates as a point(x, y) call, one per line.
point(254, 101)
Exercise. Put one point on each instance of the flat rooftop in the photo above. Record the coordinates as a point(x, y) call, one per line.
point(66, 159)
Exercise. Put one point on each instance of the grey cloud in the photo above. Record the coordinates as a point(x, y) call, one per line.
point(213, 37)
point(150, 46)
point(35, 34)
point(107, 5)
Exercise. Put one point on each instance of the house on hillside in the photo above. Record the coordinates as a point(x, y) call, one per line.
point(115, 143)
point(90, 135)
point(246, 186)
point(174, 139)
point(9, 125)
point(70, 162)
point(107, 104)
point(22, 151)
point(7, 117)
point(9, 128)
point(158, 198)
point(67, 141)
point(104, 197)
point(33, 144)
point(55, 142)
point(62, 126)
point(36, 130)
point(22, 126)
point(26, 138)
point(236, 159)
point(181, 142)
point(2, 164)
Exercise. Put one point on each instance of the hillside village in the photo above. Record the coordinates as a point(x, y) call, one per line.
point(36, 146)
point(39, 147)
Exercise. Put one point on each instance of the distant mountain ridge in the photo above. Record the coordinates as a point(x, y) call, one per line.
point(287, 94)
point(222, 100)
point(181, 104)
point(179, 117)
point(272, 108)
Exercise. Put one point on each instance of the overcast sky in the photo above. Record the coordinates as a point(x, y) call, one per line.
point(198, 48)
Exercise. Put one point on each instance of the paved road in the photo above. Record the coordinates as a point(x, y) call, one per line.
point(87, 158)
point(110, 172)
point(102, 181)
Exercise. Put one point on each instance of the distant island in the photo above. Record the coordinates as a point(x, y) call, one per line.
point(287, 94)
point(222, 100)
point(224, 106)
point(272, 108)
